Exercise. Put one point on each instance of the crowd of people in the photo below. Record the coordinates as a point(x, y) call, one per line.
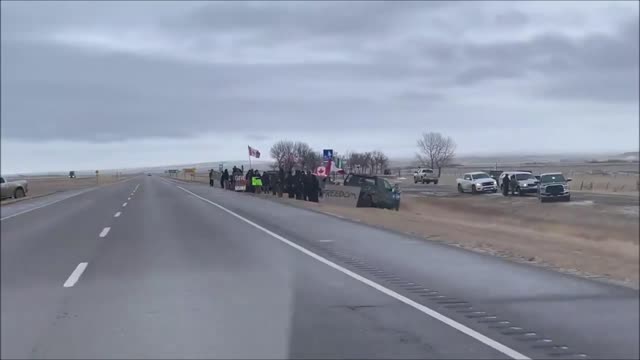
point(300, 185)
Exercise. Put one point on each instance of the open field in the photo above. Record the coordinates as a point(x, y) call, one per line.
point(592, 241)
point(44, 185)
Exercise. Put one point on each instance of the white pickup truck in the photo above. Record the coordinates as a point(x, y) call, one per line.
point(425, 176)
point(13, 189)
point(477, 182)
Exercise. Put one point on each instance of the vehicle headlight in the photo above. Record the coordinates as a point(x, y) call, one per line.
point(524, 185)
point(479, 184)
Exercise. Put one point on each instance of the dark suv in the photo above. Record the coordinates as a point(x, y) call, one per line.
point(374, 191)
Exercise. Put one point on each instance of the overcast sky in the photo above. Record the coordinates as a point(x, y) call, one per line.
point(116, 84)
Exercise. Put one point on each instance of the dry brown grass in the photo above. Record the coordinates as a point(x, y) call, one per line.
point(586, 241)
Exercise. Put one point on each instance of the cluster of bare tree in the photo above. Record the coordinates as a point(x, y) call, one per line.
point(291, 155)
point(436, 151)
point(372, 162)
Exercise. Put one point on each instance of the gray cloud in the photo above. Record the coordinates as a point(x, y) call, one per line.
point(103, 72)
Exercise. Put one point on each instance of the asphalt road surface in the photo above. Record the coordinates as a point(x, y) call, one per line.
point(151, 268)
point(596, 198)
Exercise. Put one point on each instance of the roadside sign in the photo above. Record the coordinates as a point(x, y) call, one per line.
point(327, 154)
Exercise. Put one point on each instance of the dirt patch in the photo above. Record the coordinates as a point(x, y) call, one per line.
point(592, 241)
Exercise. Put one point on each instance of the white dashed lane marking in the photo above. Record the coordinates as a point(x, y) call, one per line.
point(104, 232)
point(125, 204)
point(75, 275)
point(117, 214)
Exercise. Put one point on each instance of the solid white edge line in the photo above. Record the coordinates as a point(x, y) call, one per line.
point(428, 311)
point(75, 275)
point(128, 198)
point(117, 214)
point(105, 231)
point(125, 204)
point(56, 201)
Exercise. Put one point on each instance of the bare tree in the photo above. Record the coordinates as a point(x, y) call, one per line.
point(306, 157)
point(436, 150)
point(283, 152)
point(380, 161)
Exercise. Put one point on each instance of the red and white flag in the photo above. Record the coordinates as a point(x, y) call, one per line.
point(254, 152)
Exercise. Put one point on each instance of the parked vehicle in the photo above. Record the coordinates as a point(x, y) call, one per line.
point(374, 191)
point(13, 189)
point(425, 176)
point(525, 182)
point(477, 182)
point(553, 186)
point(72, 174)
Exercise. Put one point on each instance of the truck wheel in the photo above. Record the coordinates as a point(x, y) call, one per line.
point(519, 191)
point(435, 182)
point(543, 200)
point(473, 189)
point(415, 181)
point(460, 188)
point(425, 181)
point(567, 198)
point(19, 193)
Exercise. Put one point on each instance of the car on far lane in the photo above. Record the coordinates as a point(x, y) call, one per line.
point(13, 189)
point(477, 182)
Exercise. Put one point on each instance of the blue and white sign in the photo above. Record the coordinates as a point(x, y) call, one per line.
point(327, 154)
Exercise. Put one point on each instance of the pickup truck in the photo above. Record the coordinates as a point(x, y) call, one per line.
point(13, 189)
point(477, 182)
point(425, 176)
point(553, 186)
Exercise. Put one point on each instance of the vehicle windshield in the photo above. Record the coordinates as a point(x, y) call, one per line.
point(525, 176)
point(480, 176)
point(552, 178)
point(319, 179)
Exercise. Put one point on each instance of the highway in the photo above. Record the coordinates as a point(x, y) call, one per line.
point(152, 268)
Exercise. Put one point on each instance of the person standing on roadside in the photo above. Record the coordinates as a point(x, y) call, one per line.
point(280, 181)
point(211, 177)
point(314, 188)
point(505, 185)
point(224, 178)
point(265, 182)
point(291, 187)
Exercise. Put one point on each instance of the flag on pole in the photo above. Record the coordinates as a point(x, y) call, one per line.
point(254, 152)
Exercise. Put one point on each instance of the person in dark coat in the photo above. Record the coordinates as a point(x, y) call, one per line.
point(281, 182)
point(306, 181)
point(514, 183)
point(224, 178)
point(314, 188)
point(211, 177)
point(505, 185)
point(299, 185)
point(248, 177)
point(290, 183)
point(266, 183)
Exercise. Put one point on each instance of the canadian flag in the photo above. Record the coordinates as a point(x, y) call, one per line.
point(254, 152)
